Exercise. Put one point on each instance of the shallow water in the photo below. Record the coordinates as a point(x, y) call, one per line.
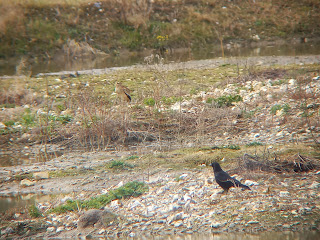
point(176, 55)
point(22, 201)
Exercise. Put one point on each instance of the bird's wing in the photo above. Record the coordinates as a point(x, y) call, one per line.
point(223, 176)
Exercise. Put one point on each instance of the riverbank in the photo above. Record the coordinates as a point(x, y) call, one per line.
point(182, 117)
point(39, 29)
point(178, 202)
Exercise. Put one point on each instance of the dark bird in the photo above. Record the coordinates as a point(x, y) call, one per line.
point(224, 180)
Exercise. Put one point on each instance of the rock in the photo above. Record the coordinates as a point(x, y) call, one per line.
point(173, 207)
point(216, 225)
point(60, 229)
point(132, 234)
point(95, 216)
point(8, 230)
point(134, 204)
point(26, 183)
point(175, 217)
point(2, 125)
point(253, 222)
point(41, 175)
point(314, 185)
point(51, 229)
point(120, 184)
point(66, 198)
point(284, 194)
point(183, 176)
point(178, 224)
point(115, 204)
point(251, 183)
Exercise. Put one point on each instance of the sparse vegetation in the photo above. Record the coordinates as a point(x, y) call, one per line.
point(130, 189)
point(34, 212)
point(120, 165)
point(38, 27)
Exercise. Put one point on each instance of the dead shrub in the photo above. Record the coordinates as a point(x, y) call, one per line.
point(135, 13)
point(74, 49)
point(295, 163)
point(18, 95)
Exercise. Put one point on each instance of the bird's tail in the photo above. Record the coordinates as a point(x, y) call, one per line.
point(244, 186)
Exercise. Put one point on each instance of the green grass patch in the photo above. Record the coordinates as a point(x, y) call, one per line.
point(132, 157)
point(119, 165)
point(225, 101)
point(254, 144)
point(34, 212)
point(130, 189)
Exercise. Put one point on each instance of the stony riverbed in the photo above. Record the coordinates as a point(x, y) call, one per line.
point(189, 201)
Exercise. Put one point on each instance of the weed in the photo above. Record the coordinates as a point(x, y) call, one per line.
point(132, 157)
point(232, 147)
point(254, 144)
point(130, 189)
point(34, 212)
point(170, 100)
point(275, 108)
point(149, 102)
point(9, 123)
point(225, 101)
point(119, 165)
point(64, 119)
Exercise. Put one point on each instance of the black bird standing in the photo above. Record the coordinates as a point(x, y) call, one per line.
point(224, 180)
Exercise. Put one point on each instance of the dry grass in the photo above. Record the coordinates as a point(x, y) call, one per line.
point(10, 14)
point(42, 27)
point(96, 120)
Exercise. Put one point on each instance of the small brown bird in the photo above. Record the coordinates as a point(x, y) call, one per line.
point(123, 92)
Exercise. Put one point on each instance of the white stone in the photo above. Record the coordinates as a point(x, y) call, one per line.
point(66, 198)
point(284, 194)
point(178, 224)
point(41, 175)
point(132, 234)
point(115, 204)
point(135, 204)
point(2, 125)
point(183, 176)
point(216, 225)
point(51, 229)
point(60, 229)
point(26, 183)
point(314, 185)
point(120, 184)
point(253, 222)
point(175, 198)
point(251, 183)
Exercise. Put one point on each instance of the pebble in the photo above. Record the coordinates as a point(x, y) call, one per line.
point(51, 229)
point(26, 183)
point(284, 194)
point(314, 185)
point(60, 229)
